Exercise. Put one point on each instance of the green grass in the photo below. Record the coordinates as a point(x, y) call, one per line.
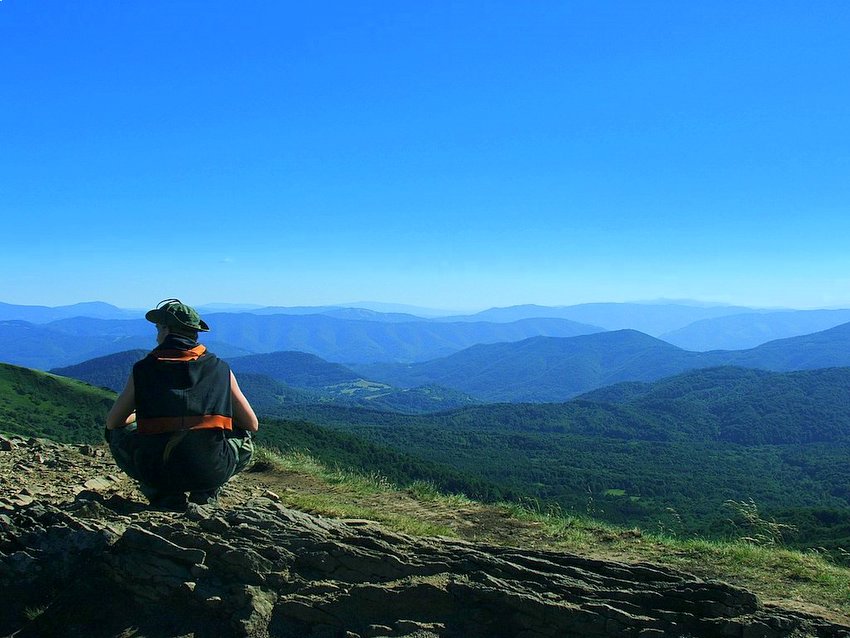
point(345, 489)
point(770, 570)
point(31, 613)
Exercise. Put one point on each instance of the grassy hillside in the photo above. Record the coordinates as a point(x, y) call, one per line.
point(38, 404)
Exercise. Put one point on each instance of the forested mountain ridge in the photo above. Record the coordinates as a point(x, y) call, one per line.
point(825, 349)
point(295, 368)
point(110, 371)
point(542, 369)
point(742, 405)
point(639, 451)
point(546, 369)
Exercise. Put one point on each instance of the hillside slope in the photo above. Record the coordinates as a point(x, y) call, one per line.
point(35, 403)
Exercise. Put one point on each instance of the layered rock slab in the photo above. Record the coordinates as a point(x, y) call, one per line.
point(98, 567)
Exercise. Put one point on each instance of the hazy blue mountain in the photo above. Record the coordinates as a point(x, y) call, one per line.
point(650, 318)
point(45, 314)
point(544, 368)
point(37, 346)
point(825, 349)
point(557, 369)
point(71, 340)
point(110, 371)
point(399, 308)
point(98, 327)
point(339, 312)
point(295, 369)
point(346, 341)
point(228, 307)
point(121, 335)
point(738, 332)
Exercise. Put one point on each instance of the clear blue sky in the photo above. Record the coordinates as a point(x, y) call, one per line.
point(448, 154)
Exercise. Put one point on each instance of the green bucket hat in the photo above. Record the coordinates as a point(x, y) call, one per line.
point(174, 313)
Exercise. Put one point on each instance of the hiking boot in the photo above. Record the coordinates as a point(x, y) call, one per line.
point(209, 497)
point(169, 502)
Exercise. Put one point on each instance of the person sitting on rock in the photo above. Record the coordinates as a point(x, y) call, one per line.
point(181, 424)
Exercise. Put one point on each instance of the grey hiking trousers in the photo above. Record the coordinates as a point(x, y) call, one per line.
point(184, 461)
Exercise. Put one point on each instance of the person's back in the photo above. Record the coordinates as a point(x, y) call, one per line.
point(181, 424)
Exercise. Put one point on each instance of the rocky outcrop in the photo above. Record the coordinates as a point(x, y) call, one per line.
point(104, 566)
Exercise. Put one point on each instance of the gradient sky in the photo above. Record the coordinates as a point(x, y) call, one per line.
point(458, 155)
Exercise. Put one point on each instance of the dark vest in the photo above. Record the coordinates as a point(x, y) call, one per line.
point(182, 390)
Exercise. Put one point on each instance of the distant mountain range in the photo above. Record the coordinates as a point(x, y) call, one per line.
point(650, 318)
point(739, 332)
point(45, 314)
point(72, 340)
point(543, 369)
point(45, 338)
point(539, 369)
